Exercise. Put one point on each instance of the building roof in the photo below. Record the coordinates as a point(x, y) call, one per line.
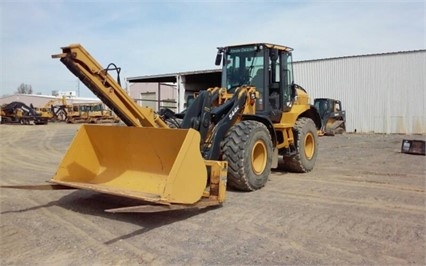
point(364, 55)
point(40, 100)
point(170, 77)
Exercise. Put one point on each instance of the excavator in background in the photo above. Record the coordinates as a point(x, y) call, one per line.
point(20, 113)
point(333, 117)
point(58, 109)
point(54, 110)
point(230, 135)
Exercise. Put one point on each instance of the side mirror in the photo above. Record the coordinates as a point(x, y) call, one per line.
point(218, 59)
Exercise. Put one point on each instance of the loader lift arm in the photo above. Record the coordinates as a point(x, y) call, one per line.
point(97, 79)
point(213, 120)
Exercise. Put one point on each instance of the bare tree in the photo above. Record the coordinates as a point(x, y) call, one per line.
point(24, 89)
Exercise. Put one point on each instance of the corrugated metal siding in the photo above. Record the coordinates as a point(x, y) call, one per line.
point(383, 93)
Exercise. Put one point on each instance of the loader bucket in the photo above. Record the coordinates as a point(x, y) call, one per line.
point(153, 164)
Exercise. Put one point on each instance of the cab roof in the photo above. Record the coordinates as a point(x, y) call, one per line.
point(269, 45)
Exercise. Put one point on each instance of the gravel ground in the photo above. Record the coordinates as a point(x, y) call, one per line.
point(364, 203)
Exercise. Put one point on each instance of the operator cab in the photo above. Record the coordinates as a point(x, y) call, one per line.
point(267, 67)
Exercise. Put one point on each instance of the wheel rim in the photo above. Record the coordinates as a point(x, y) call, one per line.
point(258, 157)
point(309, 145)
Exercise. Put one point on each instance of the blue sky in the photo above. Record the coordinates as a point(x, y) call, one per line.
point(157, 37)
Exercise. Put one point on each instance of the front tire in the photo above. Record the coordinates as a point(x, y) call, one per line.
point(306, 141)
point(247, 148)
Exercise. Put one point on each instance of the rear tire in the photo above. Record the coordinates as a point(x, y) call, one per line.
point(247, 148)
point(306, 140)
point(341, 129)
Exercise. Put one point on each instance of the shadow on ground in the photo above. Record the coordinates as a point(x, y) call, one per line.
point(92, 203)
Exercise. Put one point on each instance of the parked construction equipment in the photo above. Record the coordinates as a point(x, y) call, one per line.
point(333, 117)
point(89, 113)
point(54, 110)
point(43, 112)
point(230, 135)
point(20, 113)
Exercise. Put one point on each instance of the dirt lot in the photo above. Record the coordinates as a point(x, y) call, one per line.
point(364, 203)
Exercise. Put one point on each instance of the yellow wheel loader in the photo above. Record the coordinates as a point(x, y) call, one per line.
point(230, 134)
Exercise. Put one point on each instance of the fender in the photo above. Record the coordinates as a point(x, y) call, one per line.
point(267, 122)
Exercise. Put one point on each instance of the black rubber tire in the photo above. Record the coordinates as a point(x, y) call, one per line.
point(341, 129)
point(247, 148)
point(306, 140)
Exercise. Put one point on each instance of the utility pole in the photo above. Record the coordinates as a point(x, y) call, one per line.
point(78, 88)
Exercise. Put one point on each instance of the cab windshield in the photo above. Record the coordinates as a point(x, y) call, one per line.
point(244, 66)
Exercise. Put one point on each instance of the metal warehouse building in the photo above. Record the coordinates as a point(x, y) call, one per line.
point(381, 93)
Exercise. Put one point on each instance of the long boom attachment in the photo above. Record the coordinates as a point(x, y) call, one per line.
point(146, 161)
point(97, 79)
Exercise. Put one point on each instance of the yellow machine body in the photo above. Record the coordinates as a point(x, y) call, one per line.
point(246, 124)
point(147, 160)
point(152, 164)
